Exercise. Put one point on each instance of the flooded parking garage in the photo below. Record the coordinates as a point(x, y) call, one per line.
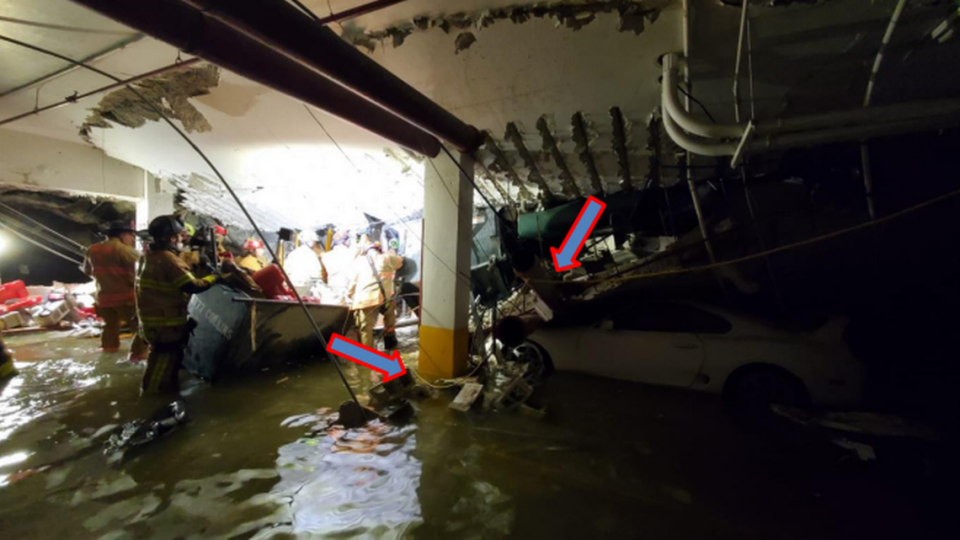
point(260, 459)
point(479, 269)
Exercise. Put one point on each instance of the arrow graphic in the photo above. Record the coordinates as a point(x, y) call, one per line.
point(565, 258)
point(391, 366)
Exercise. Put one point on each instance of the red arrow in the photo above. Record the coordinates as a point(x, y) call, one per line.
point(565, 258)
point(391, 366)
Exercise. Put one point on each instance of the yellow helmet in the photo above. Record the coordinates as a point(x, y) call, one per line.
point(189, 229)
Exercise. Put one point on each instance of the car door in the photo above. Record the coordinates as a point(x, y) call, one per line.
point(651, 343)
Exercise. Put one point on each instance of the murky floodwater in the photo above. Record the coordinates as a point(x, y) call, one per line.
point(259, 460)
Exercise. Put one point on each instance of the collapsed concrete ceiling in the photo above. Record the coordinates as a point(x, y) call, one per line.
point(526, 73)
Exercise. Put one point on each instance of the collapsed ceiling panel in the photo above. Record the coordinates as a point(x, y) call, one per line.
point(167, 93)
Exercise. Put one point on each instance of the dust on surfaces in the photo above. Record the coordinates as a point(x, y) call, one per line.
point(632, 16)
point(168, 93)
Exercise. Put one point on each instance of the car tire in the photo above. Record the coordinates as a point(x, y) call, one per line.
point(538, 361)
point(749, 393)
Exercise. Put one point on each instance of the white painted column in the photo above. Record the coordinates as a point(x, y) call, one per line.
point(445, 296)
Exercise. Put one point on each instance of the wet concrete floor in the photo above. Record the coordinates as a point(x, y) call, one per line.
point(611, 460)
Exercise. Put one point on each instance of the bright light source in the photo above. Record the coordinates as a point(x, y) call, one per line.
point(3, 242)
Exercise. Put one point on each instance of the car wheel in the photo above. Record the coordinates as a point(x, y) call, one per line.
point(749, 394)
point(536, 358)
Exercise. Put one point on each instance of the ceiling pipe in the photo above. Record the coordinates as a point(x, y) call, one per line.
point(714, 140)
point(188, 30)
point(77, 97)
point(285, 28)
point(358, 11)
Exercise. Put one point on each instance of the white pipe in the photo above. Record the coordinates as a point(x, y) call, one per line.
point(683, 127)
point(736, 70)
point(690, 123)
point(701, 147)
point(783, 141)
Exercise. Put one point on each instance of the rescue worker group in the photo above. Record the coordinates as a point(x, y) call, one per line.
point(150, 292)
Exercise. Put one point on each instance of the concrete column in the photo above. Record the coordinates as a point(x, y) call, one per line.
point(445, 298)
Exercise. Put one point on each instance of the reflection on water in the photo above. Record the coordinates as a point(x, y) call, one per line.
point(260, 460)
point(254, 462)
point(359, 482)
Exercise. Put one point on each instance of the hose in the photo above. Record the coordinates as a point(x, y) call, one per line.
point(226, 185)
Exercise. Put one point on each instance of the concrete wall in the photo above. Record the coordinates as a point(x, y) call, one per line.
point(42, 163)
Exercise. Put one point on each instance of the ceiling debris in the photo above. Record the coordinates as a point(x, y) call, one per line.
point(621, 129)
point(533, 172)
point(570, 188)
point(464, 41)
point(572, 15)
point(582, 140)
point(169, 93)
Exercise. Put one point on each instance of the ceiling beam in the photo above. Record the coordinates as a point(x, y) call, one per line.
point(513, 135)
point(620, 148)
point(501, 160)
point(582, 141)
point(570, 188)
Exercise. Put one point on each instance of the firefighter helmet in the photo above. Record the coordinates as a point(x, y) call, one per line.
point(165, 227)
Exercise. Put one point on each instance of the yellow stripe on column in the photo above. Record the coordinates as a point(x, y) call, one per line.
point(443, 352)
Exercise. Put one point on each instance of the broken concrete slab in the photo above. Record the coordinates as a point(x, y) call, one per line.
point(168, 93)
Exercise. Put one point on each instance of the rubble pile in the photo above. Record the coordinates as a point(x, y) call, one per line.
point(58, 307)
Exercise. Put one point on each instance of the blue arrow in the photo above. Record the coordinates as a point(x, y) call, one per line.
point(391, 366)
point(565, 258)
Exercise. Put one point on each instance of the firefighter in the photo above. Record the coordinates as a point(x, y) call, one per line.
point(372, 291)
point(112, 263)
point(253, 258)
point(164, 287)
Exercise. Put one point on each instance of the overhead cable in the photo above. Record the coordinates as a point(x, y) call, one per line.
point(226, 185)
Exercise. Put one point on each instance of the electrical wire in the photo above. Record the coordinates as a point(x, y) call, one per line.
point(226, 185)
point(400, 218)
point(334, 141)
point(469, 177)
point(780, 249)
point(47, 26)
point(697, 101)
point(30, 219)
point(39, 245)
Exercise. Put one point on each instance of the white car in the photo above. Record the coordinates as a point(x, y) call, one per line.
point(707, 349)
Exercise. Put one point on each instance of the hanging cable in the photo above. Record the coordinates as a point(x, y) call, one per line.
point(226, 185)
point(30, 219)
point(469, 177)
point(39, 245)
point(697, 101)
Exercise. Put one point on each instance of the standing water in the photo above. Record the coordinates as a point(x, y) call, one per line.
point(260, 459)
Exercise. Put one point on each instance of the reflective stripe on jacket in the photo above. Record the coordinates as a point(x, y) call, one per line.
point(162, 286)
point(113, 265)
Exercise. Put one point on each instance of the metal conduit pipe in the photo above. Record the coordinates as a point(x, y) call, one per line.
point(75, 98)
point(873, 115)
point(187, 29)
point(283, 27)
point(784, 141)
point(854, 133)
point(686, 120)
point(925, 111)
point(698, 146)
